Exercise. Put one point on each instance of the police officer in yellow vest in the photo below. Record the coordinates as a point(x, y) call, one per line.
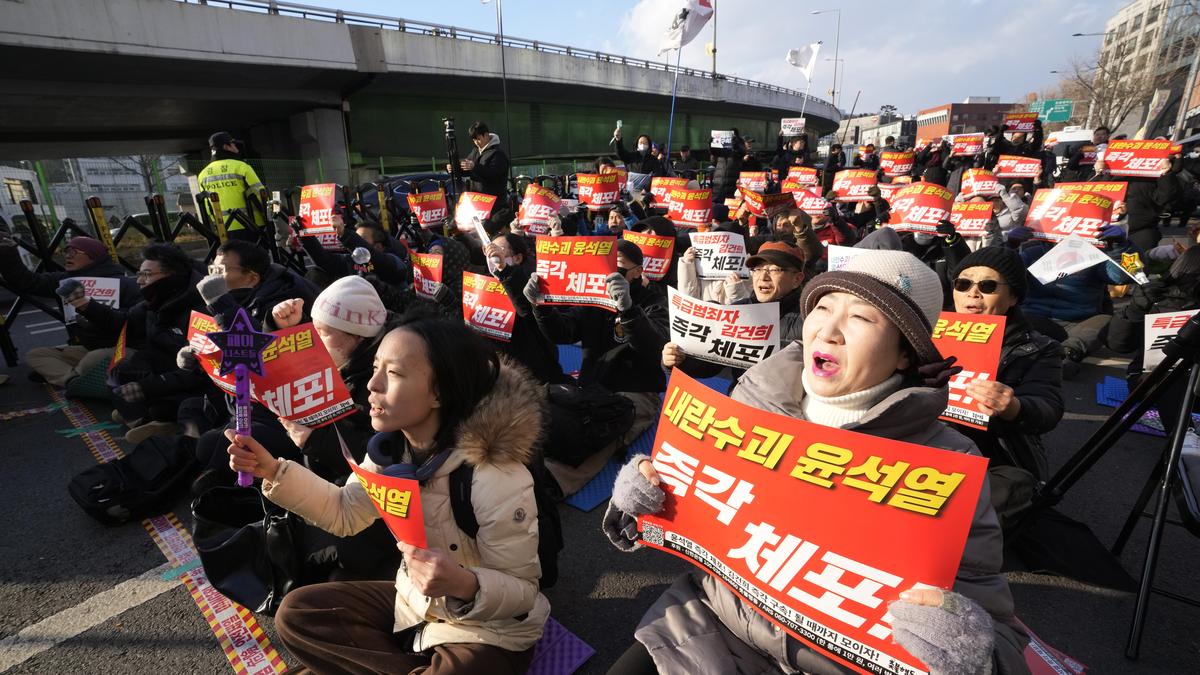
point(233, 181)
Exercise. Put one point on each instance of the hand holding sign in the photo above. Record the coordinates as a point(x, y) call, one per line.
point(436, 575)
point(241, 351)
point(995, 399)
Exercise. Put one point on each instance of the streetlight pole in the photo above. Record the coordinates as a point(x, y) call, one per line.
point(503, 80)
point(837, 86)
point(837, 40)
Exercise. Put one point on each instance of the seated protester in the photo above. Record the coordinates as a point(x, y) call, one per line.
point(1077, 303)
point(149, 386)
point(440, 398)
point(941, 251)
point(1145, 201)
point(620, 351)
point(796, 227)
point(663, 227)
point(867, 158)
point(455, 259)
point(832, 229)
point(932, 155)
point(1008, 212)
point(618, 220)
point(1025, 398)
point(794, 154)
point(242, 275)
point(866, 363)
point(776, 275)
point(1178, 290)
point(390, 268)
point(863, 216)
point(528, 346)
point(87, 345)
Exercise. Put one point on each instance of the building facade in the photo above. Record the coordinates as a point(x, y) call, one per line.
point(975, 114)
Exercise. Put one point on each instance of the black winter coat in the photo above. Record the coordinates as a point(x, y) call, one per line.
point(1147, 198)
point(640, 162)
point(727, 164)
point(279, 284)
point(529, 346)
point(490, 173)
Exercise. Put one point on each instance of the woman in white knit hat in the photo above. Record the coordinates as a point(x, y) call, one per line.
point(866, 362)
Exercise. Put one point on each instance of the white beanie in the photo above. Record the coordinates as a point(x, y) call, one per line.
point(351, 305)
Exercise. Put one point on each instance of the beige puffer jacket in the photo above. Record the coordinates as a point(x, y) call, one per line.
point(498, 439)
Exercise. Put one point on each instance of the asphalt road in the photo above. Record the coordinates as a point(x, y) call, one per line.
point(54, 557)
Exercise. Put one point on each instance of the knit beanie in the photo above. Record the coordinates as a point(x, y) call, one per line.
point(896, 283)
point(351, 305)
point(94, 249)
point(1002, 259)
point(631, 251)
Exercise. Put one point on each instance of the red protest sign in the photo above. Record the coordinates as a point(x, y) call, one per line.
point(574, 270)
point(316, 209)
point(919, 207)
point(599, 191)
point(967, 144)
point(852, 185)
point(690, 208)
point(734, 474)
point(1057, 213)
point(1020, 122)
point(427, 273)
point(300, 383)
point(119, 350)
point(753, 180)
point(979, 183)
point(538, 208)
point(487, 307)
point(889, 190)
point(975, 339)
point(1016, 166)
point(656, 252)
point(810, 202)
point(1137, 158)
point(1087, 155)
point(804, 175)
point(767, 206)
point(660, 188)
point(398, 501)
point(971, 218)
point(429, 207)
point(473, 207)
point(1114, 189)
point(622, 177)
point(894, 164)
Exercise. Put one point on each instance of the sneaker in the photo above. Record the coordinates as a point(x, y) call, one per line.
point(142, 432)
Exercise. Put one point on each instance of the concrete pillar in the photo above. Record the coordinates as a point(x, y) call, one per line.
point(320, 137)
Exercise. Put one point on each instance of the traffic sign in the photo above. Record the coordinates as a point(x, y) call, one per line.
point(1053, 109)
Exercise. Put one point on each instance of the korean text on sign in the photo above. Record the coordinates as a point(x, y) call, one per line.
point(1147, 159)
point(854, 185)
point(599, 191)
point(766, 205)
point(1160, 328)
point(1057, 213)
point(753, 180)
point(825, 571)
point(427, 274)
point(971, 219)
point(919, 207)
point(719, 253)
point(538, 208)
point(104, 290)
point(690, 208)
point(398, 501)
point(487, 307)
point(810, 202)
point(473, 208)
point(316, 209)
point(804, 175)
point(574, 270)
point(660, 189)
point(1021, 122)
point(894, 164)
point(656, 250)
point(429, 207)
point(736, 336)
point(975, 339)
point(1016, 166)
point(966, 145)
point(979, 183)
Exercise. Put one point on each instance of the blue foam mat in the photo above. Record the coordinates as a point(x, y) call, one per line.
point(1112, 392)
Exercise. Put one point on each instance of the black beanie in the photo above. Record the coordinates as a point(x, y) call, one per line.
point(1002, 259)
point(631, 251)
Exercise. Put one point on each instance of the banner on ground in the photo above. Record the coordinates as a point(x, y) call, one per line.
point(767, 205)
point(966, 145)
point(895, 164)
point(300, 382)
point(853, 185)
point(734, 475)
point(791, 126)
point(487, 307)
point(810, 202)
point(598, 191)
point(738, 336)
point(398, 500)
point(689, 208)
point(574, 270)
point(1070, 255)
point(1016, 166)
point(427, 273)
point(429, 207)
point(1159, 329)
point(979, 183)
point(721, 139)
point(1147, 159)
point(975, 339)
point(104, 290)
point(316, 209)
point(538, 208)
point(919, 207)
point(804, 175)
point(1019, 122)
point(971, 218)
point(660, 188)
point(1057, 213)
point(753, 180)
point(719, 253)
point(473, 207)
point(656, 252)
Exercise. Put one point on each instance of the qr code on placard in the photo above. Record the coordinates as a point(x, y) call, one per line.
point(652, 534)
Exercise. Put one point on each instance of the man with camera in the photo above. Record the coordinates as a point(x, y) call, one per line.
point(486, 167)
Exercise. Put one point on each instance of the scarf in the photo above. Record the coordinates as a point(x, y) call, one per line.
point(841, 411)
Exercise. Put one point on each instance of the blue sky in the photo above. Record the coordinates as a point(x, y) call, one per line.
point(913, 55)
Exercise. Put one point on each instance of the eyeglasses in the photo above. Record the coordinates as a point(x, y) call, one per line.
point(987, 286)
point(773, 271)
point(146, 274)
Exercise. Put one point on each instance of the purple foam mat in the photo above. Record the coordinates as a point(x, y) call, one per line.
point(559, 652)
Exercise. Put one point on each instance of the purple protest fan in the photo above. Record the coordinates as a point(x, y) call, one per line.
point(241, 351)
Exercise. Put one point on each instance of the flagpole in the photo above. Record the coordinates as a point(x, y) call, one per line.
point(674, 89)
point(804, 103)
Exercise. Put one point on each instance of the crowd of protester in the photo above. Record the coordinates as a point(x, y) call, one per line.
point(430, 395)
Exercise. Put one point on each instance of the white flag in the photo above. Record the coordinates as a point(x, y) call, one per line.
point(687, 23)
point(1067, 257)
point(805, 58)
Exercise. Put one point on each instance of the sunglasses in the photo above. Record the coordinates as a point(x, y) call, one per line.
point(987, 286)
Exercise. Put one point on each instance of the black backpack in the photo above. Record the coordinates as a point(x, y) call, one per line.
point(584, 420)
point(550, 537)
point(138, 483)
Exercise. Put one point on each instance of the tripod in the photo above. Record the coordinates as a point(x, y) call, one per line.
point(1181, 359)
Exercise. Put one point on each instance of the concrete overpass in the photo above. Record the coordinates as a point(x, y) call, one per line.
point(95, 77)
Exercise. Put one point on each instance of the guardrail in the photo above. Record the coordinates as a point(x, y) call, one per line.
point(457, 33)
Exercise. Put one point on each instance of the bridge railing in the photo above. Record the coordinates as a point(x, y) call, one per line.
point(457, 33)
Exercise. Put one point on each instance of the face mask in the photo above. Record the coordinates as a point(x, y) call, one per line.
point(642, 147)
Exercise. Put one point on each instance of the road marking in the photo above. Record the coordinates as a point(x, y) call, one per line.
point(52, 631)
point(1083, 417)
point(39, 324)
point(29, 311)
point(47, 330)
point(1104, 363)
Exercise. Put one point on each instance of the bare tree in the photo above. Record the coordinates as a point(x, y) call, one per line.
point(152, 169)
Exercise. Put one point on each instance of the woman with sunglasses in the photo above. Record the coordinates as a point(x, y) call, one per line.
point(1025, 399)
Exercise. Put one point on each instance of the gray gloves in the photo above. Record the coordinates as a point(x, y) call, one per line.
point(69, 289)
point(618, 290)
point(211, 288)
point(633, 496)
point(956, 638)
point(533, 290)
point(186, 359)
